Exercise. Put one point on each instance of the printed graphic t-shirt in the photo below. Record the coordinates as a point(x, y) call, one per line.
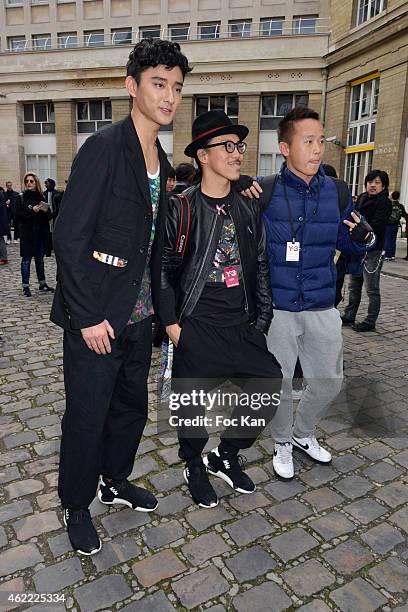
point(218, 304)
point(144, 305)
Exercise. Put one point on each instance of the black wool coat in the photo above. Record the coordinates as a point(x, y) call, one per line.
point(4, 225)
point(35, 235)
point(107, 208)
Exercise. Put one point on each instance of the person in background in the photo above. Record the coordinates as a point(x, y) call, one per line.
point(51, 196)
point(4, 226)
point(376, 207)
point(392, 227)
point(33, 216)
point(11, 201)
point(171, 180)
point(185, 174)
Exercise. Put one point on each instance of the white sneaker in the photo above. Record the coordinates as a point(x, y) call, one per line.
point(282, 461)
point(312, 449)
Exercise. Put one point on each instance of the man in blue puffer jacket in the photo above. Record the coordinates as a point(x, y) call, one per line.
point(304, 229)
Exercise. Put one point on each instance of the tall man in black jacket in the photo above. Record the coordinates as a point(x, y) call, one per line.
point(376, 207)
point(216, 304)
point(108, 243)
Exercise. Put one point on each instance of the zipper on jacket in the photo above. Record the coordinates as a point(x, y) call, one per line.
point(241, 260)
point(201, 268)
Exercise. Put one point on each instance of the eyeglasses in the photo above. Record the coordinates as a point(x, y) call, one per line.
point(31, 181)
point(230, 146)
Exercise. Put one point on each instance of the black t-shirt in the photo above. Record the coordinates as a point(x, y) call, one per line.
point(218, 304)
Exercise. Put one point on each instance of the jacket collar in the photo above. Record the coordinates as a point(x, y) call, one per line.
point(136, 160)
point(294, 181)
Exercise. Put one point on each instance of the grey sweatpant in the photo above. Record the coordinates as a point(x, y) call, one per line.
point(315, 337)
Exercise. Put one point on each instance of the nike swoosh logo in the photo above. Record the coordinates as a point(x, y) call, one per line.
point(305, 446)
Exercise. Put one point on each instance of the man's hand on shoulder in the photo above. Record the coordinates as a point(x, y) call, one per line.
point(97, 337)
point(248, 187)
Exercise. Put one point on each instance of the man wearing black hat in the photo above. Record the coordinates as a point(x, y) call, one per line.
point(216, 302)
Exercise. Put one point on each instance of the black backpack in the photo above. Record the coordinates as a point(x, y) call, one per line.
point(269, 183)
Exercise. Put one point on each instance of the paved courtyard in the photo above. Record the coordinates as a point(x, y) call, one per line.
point(335, 538)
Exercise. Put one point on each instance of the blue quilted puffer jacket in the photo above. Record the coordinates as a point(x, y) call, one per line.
point(309, 283)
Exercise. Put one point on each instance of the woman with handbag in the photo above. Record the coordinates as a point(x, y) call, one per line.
point(33, 215)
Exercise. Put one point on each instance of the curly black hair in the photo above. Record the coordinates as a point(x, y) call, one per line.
point(149, 53)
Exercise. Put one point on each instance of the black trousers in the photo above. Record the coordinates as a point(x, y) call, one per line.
point(341, 275)
point(106, 411)
point(207, 356)
point(371, 281)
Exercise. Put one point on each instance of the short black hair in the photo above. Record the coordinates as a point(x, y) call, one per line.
point(185, 172)
point(149, 53)
point(381, 174)
point(395, 195)
point(286, 125)
point(329, 170)
point(172, 173)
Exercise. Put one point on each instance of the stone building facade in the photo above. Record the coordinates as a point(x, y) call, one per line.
point(62, 76)
point(367, 91)
point(62, 71)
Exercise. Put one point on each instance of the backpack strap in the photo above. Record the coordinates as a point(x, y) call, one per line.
point(343, 193)
point(268, 187)
point(184, 228)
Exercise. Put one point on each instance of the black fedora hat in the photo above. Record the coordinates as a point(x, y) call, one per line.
point(209, 125)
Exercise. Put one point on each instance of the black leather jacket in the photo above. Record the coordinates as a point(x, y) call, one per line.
point(183, 278)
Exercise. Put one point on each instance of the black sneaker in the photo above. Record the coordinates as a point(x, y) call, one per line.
point(45, 288)
point(230, 468)
point(363, 327)
point(199, 484)
point(347, 322)
point(26, 291)
point(124, 492)
point(81, 532)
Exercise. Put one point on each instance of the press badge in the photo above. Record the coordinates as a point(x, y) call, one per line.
point(292, 251)
point(231, 276)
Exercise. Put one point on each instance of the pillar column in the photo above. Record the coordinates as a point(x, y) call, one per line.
point(182, 128)
point(66, 138)
point(315, 101)
point(337, 110)
point(12, 162)
point(249, 116)
point(392, 116)
point(120, 108)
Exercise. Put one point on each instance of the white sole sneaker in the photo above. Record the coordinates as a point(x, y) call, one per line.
point(213, 505)
point(306, 451)
point(124, 502)
point(225, 478)
point(82, 552)
point(280, 476)
point(282, 461)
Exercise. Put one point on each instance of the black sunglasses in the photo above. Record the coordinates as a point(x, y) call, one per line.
point(230, 146)
point(29, 181)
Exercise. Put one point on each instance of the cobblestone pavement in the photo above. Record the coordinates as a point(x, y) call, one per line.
point(332, 539)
